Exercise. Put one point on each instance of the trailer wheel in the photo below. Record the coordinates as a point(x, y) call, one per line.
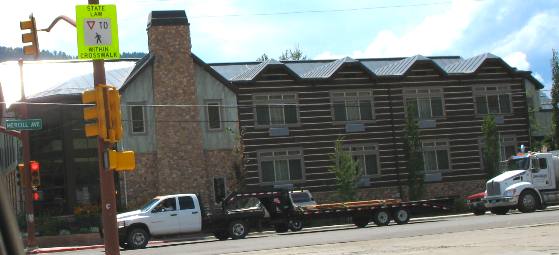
point(527, 202)
point(137, 238)
point(281, 227)
point(360, 221)
point(238, 229)
point(401, 216)
point(500, 210)
point(381, 217)
point(221, 235)
point(295, 225)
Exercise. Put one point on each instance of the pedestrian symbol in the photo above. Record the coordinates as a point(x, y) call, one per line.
point(97, 32)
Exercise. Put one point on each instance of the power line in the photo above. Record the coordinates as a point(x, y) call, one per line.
point(323, 10)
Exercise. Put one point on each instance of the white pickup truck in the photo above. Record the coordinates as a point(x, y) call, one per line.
point(183, 213)
point(530, 183)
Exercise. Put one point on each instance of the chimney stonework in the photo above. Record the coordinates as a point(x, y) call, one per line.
point(180, 161)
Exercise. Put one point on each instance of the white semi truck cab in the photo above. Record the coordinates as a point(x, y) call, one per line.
point(529, 183)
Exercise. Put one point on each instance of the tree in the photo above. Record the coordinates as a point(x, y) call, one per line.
point(555, 98)
point(347, 172)
point(491, 155)
point(290, 54)
point(263, 58)
point(413, 156)
point(295, 54)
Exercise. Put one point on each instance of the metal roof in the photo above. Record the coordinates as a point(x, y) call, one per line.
point(60, 77)
point(381, 67)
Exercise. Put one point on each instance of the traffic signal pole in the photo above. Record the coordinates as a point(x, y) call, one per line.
point(106, 178)
point(29, 215)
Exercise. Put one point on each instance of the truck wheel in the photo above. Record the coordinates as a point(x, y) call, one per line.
point(401, 216)
point(295, 225)
point(381, 217)
point(281, 227)
point(238, 229)
point(478, 211)
point(500, 210)
point(137, 238)
point(221, 235)
point(360, 221)
point(122, 244)
point(527, 202)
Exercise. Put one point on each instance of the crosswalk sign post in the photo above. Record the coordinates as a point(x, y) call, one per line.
point(97, 31)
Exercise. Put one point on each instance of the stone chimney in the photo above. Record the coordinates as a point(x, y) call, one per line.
point(178, 136)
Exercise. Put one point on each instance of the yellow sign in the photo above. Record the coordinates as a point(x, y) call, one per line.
point(97, 31)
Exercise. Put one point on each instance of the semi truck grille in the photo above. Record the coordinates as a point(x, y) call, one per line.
point(493, 189)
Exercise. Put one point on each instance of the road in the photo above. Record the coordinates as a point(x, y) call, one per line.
point(430, 229)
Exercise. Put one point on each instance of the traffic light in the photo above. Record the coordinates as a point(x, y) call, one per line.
point(19, 174)
point(96, 112)
point(122, 161)
point(37, 195)
point(34, 167)
point(115, 119)
point(31, 37)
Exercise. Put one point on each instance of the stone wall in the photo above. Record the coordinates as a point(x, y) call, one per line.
point(140, 185)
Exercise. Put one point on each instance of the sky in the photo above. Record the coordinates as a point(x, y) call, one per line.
point(521, 32)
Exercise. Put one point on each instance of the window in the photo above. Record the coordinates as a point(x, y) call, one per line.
point(281, 166)
point(426, 103)
point(276, 110)
point(352, 105)
point(435, 155)
point(367, 158)
point(137, 119)
point(219, 189)
point(493, 100)
point(186, 203)
point(508, 147)
point(213, 110)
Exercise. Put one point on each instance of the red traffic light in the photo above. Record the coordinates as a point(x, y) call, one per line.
point(36, 196)
point(34, 166)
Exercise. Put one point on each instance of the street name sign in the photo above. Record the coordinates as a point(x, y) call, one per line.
point(97, 31)
point(27, 124)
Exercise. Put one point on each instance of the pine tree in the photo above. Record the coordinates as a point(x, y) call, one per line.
point(491, 155)
point(347, 172)
point(555, 98)
point(413, 156)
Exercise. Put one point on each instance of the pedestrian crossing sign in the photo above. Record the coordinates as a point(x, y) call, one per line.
point(97, 31)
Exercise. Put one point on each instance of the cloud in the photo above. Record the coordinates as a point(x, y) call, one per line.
point(328, 55)
point(434, 34)
point(538, 34)
point(517, 59)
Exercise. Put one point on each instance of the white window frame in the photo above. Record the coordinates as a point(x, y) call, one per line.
point(425, 93)
point(364, 150)
point(492, 90)
point(272, 100)
point(435, 145)
point(277, 155)
point(213, 102)
point(348, 96)
point(132, 121)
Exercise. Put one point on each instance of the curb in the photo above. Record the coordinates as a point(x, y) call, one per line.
point(74, 248)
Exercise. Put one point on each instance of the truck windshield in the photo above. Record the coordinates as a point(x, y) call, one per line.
point(518, 164)
point(149, 204)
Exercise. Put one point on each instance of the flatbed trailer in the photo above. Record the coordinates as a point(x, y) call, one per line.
point(281, 210)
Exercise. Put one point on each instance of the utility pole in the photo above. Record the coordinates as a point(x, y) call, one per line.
point(29, 215)
point(106, 177)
